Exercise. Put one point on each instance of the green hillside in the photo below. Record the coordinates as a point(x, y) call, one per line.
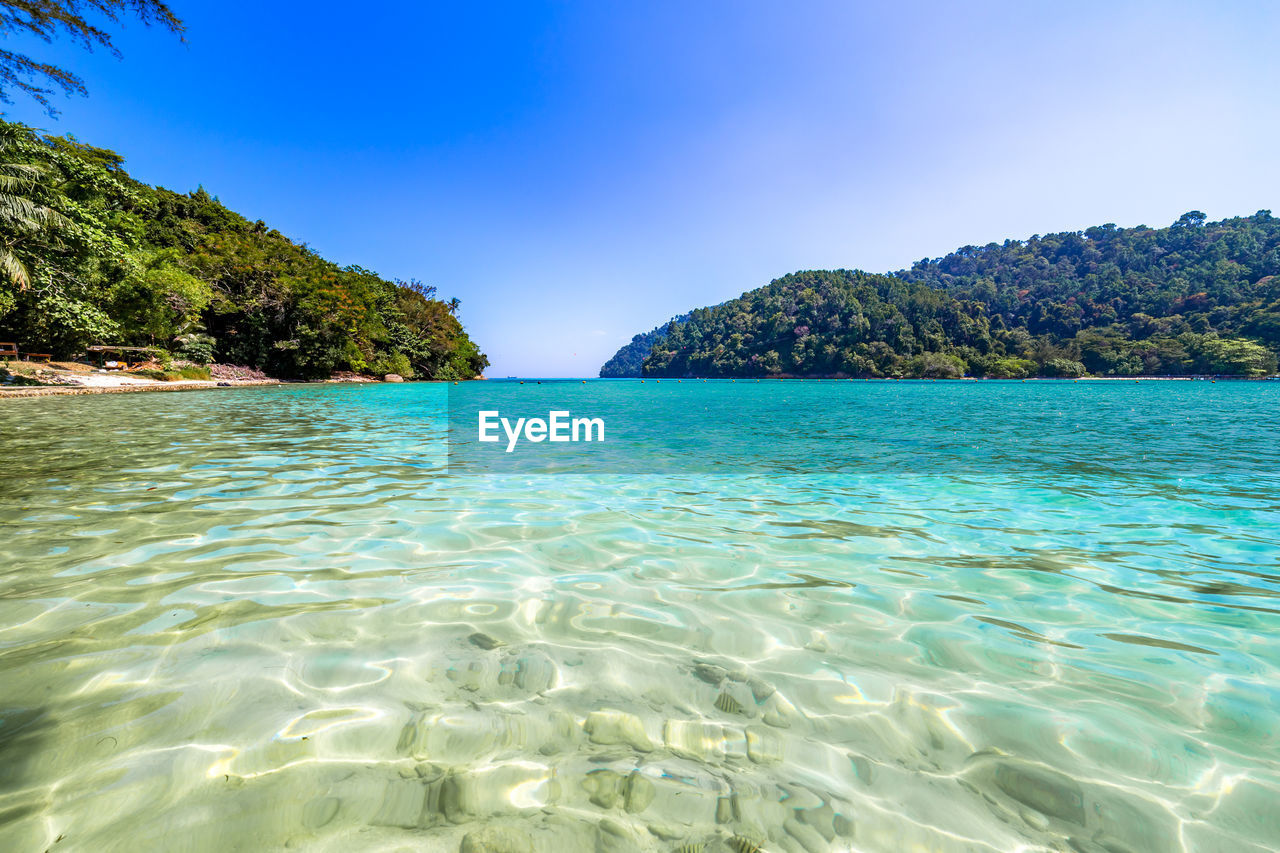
point(90, 256)
point(1194, 298)
point(629, 360)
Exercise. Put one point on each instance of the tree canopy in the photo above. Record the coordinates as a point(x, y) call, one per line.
point(1197, 297)
point(95, 257)
point(628, 360)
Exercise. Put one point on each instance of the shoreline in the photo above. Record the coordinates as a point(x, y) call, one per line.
point(129, 388)
point(23, 391)
point(26, 391)
point(791, 378)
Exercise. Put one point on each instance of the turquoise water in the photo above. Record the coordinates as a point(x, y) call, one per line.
point(816, 616)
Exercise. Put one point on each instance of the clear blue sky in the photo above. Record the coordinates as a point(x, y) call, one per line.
point(578, 172)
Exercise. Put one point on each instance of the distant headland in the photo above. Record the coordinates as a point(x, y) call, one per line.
point(1197, 297)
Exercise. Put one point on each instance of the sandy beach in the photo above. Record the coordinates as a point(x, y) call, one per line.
point(70, 378)
point(125, 387)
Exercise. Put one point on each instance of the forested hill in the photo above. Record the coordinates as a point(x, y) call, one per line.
point(628, 361)
point(1196, 297)
point(88, 256)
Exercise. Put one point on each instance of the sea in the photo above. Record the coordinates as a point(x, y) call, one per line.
point(747, 616)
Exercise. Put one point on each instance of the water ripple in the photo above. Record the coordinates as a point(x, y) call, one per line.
point(1039, 619)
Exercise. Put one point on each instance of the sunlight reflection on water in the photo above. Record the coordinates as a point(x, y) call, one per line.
point(1019, 615)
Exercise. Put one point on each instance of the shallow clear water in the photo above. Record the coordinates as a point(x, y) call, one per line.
point(980, 616)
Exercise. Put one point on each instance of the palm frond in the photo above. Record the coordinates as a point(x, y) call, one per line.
point(29, 172)
point(13, 269)
point(20, 213)
point(23, 214)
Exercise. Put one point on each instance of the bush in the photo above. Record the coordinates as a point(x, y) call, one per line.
point(1064, 367)
point(1011, 368)
point(174, 375)
point(395, 362)
point(1232, 357)
point(197, 347)
point(935, 365)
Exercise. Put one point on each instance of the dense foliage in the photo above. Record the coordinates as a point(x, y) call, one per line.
point(1194, 298)
point(90, 256)
point(628, 360)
